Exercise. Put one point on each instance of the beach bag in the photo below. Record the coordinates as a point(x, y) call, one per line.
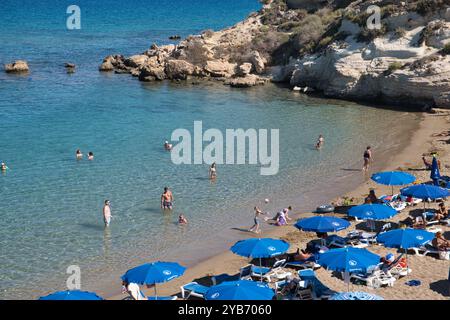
point(444, 255)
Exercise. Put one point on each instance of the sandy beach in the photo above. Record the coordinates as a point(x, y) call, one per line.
point(432, 272)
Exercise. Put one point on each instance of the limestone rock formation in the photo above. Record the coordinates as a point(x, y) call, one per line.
point(18, 66)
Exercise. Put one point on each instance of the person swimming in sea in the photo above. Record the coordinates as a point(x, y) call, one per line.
point(212, 171)
point(166, 199)
point(79, 155)
point(320, 142)
point(182, 219)
point(167, 145)
point(90, 155)
point(4, 167)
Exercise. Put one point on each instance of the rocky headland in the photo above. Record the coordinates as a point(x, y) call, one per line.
point(325, 46)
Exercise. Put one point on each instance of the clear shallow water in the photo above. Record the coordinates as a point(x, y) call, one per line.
point(51, 204)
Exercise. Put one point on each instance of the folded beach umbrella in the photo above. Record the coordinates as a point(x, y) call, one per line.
point(372, 212)
point(357, 295)
point(393, 178)
point(322, 224)
point(72, 295)
point(405, 238)
point(435, 175)
point(153, 273)
point(240, 290)
point(260, 248)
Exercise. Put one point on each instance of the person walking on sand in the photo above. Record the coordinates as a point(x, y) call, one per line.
point(212, 171)
point(107, 213)
point(320, 142)
point(166, 199)
point(256, 228)
point(367, 156)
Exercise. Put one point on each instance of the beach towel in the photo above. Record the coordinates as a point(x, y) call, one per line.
point(413, 283)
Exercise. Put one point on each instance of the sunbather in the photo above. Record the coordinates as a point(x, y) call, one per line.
point(441, 213)
point(419, 223)
point(371, 197)
point(426, 163)
point(302, 255)
point(290, 286)
point(440, 243)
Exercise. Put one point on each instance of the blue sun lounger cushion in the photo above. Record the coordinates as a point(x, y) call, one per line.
point(197, 288)
point(260, 270)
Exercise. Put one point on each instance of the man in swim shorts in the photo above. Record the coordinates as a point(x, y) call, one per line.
point(166, 199)
point(107, 213)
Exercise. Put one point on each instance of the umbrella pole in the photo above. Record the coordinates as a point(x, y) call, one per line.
point(156, 295)
point(260, 268)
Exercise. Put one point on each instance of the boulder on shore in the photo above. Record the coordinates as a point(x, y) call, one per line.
point(179, 69)
point(17, 67)
point(250, 80)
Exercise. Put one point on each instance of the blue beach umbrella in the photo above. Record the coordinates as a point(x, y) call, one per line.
point(405, 238)
point(72, 295)
point(372, 212)
point(357, 295)
point(348, 260)
point(153, 273)
point(260, 248)
point(435, 175)
point(240, 290)
point(322, 224)
point(425, 191)
point(393, 178)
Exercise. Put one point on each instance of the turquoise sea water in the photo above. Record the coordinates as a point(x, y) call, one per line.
point(50, 208)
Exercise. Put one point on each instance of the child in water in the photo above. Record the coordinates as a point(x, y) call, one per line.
point(182, 219)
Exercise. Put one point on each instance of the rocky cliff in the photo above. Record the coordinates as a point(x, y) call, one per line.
point(323, 45)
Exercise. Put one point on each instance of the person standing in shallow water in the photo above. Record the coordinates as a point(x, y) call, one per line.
point(212, 171)
point(367, 157)
point(320, 142)
point(107, 213)
point(166, 199)
point(79, 155)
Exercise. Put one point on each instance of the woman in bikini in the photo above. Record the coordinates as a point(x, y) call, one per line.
point(367, 158)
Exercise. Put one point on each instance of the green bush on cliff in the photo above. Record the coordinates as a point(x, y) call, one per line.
point(394, 66)
point(446, 48)
point(425, 7)
point(368, 35)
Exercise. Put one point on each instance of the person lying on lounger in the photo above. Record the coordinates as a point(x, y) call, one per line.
point(419, 223)
point(302, 255)
point(441, 212)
